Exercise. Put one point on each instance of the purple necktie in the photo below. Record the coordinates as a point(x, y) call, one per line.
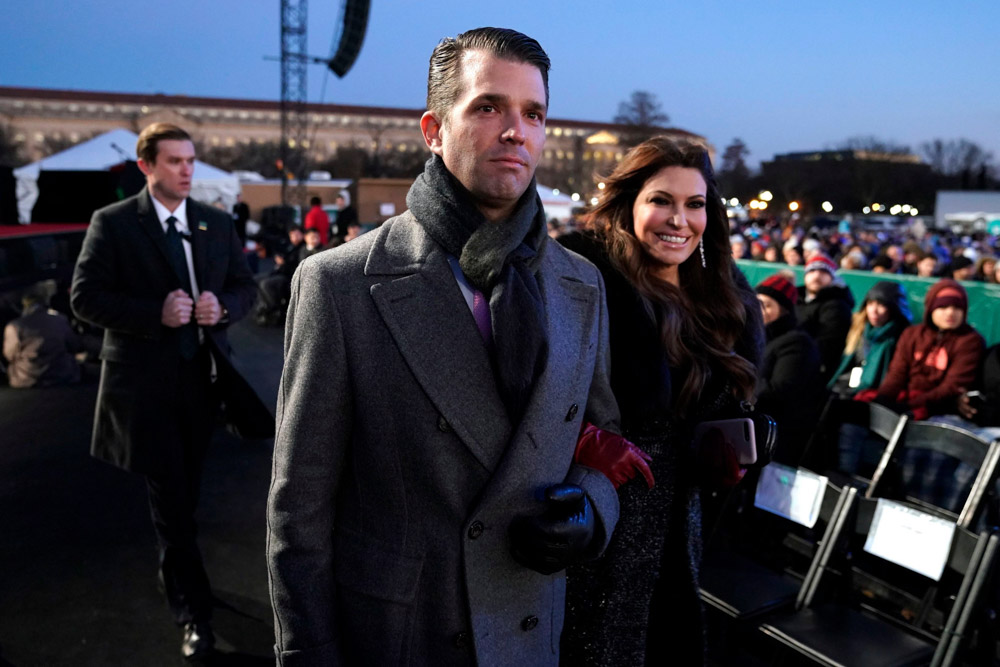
point(481, 312)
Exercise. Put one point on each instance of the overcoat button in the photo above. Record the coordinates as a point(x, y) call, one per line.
point(573, 409)
point(461, 640)
point(475, 530)
point(443, 425)
point(529, 623)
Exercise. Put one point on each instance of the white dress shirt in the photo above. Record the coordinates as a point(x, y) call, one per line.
point(182, 226)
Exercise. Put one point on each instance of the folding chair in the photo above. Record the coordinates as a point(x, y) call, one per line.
point(940, 468)
point(859, 424)
point(777, 541)
point(903, 589)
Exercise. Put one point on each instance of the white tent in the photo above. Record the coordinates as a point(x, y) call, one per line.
point(557, 205)
point(210, 185)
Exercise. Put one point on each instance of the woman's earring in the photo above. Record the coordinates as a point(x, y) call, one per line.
point(701, 246)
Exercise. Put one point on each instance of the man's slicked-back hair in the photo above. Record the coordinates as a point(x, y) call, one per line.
point(444, 76)
point(147, 146)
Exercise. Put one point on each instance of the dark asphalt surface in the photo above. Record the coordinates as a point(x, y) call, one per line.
point(78, 566)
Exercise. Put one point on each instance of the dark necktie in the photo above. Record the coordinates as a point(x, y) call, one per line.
point(189, 332)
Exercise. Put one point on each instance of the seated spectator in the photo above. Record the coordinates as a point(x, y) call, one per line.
point(912, 253)
point(788, 378)
point(791, 253)
point(961, 268)
point(810, 247)
point(981, 411)
point(853, 261)
point(756, 250)
point(40, 344)
point(927, 265)
point(985, 269)
point(934, 361)
point(353, 231)
point(275, 288)
point(882, 264)
point(771, 254)
point(738, 246)
point(871, 340)
point(824, 311)
point(313, 244)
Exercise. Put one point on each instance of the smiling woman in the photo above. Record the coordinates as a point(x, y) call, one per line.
point(685, 336)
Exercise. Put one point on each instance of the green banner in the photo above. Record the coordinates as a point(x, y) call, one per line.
point(984, 298)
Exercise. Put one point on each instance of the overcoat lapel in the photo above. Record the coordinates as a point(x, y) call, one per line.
point(151, 225)
point(427, 316)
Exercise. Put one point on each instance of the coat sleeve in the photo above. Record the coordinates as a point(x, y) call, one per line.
point(309, 453)
point(898, 377)
point(96, 295)
point(795, 365)
point(602, 411)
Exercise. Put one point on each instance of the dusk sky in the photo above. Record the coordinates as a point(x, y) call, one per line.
point(781, 75)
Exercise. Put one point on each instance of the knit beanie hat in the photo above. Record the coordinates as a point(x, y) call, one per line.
point(951, 295)
point(893, 296)
point(781, 290)
point(820, 262)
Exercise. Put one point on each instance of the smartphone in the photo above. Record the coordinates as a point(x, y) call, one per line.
point(739, 433)
point(976, 399)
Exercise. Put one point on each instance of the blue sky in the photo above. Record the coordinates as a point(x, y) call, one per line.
point(781, 75)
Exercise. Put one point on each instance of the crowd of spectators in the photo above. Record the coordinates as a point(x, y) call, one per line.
point(902, 250)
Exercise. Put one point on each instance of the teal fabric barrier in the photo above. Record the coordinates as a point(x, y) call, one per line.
point(984, 298)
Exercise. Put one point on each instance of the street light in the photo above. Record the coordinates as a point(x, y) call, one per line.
point(575, 196)
point(600, 186)
point(754, 204)
point(866, 210)
point(766, 195)
point(793, 206)
point(827, 207)
point(734, 202)
point(763, 205)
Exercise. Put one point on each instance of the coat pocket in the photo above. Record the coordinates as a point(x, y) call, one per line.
point(376, 589)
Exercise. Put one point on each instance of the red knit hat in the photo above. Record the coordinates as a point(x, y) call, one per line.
point(779, 289)
point(820, 262)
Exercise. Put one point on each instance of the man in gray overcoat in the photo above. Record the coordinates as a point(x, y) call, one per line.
point(424, 500)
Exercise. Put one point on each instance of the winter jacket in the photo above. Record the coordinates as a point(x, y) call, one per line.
point(788, 387)
point(827, 318)
point(931, 367)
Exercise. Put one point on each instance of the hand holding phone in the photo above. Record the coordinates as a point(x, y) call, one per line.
point(739, 433)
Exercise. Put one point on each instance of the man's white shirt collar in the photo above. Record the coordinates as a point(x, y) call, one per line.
point(180, 214)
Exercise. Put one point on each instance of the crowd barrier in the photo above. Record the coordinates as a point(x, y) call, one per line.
point(984, 298)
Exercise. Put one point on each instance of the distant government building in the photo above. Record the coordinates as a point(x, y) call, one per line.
point(40, 119)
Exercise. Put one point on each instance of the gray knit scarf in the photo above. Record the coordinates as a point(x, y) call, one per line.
point(501, 260)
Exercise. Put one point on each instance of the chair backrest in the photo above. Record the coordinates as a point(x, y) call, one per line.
point(873, 423)
point(942, 468)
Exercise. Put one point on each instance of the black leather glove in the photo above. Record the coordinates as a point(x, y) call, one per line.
point(558, 537)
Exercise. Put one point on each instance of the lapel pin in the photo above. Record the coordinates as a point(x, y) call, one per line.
point(202, 226)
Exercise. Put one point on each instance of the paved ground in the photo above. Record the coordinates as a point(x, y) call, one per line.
point(77, 551)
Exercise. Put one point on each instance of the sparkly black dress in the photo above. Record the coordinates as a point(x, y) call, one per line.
point(638, 604)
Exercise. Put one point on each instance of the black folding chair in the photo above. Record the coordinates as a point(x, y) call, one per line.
point(769, 550)
point(868, 607)
point(940, 468)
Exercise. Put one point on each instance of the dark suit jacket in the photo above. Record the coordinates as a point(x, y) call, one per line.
point(121, 279)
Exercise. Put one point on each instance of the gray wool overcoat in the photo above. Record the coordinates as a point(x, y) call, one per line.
point(397, 471)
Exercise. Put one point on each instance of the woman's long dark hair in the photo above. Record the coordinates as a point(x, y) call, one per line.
point(701, 321)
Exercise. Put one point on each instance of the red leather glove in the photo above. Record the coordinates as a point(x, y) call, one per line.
point(717, 459)
point(612, 454)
